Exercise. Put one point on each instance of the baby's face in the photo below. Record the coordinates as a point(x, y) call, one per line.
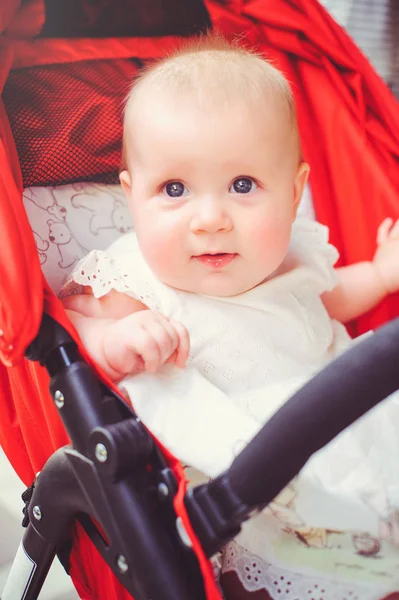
point(213, 194)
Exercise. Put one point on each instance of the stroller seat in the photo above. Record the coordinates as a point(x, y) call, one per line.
point(52, 210)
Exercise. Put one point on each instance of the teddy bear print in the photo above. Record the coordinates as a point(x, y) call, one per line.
point(69, 249)
point(121, 218)
point(110, 213)
point(283, 509)
point(58, 212)
point(41, 247)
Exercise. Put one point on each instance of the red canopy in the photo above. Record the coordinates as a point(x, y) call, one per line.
point(349, 124)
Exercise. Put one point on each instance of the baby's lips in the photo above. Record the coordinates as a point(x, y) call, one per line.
point(216, 261)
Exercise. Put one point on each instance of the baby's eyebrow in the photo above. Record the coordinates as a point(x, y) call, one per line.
point(170, 177)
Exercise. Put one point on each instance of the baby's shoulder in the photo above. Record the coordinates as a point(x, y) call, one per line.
point(310, 258)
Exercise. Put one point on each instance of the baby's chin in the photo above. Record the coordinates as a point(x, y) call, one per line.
point(218, 289)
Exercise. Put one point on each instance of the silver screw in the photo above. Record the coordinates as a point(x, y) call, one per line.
point(101, 453)
point(163, 490)
point(182, 531)
point(37, 513)
point(122, 564)
point(59, 399)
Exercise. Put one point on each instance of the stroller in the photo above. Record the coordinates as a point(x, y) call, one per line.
point(124, 492)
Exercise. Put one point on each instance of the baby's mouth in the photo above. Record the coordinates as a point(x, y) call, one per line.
point(216, 261)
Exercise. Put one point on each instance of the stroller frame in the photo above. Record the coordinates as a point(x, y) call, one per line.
point(108, 466)
point(113, 475)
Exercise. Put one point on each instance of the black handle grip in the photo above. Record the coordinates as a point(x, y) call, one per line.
point(336, 397)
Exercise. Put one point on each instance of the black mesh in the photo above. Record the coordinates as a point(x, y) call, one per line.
point(66, 120)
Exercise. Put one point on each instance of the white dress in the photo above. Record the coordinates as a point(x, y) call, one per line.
point(249, 353)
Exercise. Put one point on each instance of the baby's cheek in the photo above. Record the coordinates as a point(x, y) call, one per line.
point(159, 250)
point(164, 257)
point(270, 241)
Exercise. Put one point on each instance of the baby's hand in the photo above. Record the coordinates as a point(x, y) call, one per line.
point(143, 341)
point(386, 258)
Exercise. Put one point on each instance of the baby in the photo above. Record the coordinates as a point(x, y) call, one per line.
point(222, 304)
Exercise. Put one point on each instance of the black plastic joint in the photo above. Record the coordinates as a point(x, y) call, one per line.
point(216, 513)
point(120, 448)
point(51, 335)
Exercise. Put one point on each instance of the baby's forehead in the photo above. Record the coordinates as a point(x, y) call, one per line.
point(207, 85)
point(213, 77)
point(166, 118)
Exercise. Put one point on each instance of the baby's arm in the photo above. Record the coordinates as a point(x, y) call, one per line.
point(360, 288)
point(363, 285)
point(123, 336)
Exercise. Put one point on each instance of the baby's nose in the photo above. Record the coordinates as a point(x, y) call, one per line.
point(211, 217)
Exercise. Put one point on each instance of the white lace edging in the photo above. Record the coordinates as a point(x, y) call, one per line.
point(123, 271)
point(310, 243)
point(97, 271)
point(255, 574)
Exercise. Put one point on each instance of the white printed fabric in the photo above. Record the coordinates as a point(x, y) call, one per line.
point(70, 220)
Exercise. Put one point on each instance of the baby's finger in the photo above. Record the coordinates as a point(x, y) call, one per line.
point(137, 364)
point(172, 358)
point(183, 349)
point(383, 230)
point(165, 338)
point(146, 346)
point(166, 323)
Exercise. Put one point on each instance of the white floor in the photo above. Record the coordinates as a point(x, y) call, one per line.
point(57, 585)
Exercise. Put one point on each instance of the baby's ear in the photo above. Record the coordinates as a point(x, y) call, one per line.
point(301, 178)
point(126, 182)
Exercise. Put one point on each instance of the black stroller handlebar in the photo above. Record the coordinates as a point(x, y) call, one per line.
point(335, 398)
point(112, 450)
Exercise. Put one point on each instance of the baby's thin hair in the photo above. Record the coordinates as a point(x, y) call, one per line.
point(212, 68)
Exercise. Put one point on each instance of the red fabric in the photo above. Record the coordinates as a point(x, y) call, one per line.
point(8, 10)
point(54, 111)
point(51, 51)
point(20, 274)
point(27, 21)
point(349, 125)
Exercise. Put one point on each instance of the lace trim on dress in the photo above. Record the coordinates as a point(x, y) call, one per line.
point(123, 269)
point(97, 271)
point(256, 574)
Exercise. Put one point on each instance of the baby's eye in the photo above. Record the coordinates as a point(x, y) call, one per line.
point(243, 185)
point(175, 189)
